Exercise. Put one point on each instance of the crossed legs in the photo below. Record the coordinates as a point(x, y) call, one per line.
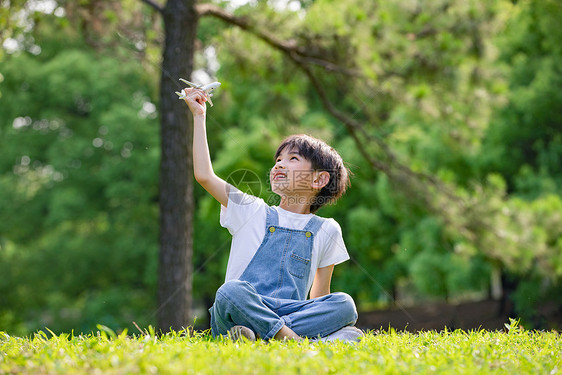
point(238, 303)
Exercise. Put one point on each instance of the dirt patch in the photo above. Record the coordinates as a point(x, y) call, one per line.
point(437, 316)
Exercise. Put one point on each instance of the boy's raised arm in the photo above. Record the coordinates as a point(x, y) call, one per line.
point(202, 166)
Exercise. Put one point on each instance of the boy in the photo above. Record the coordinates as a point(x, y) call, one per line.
point(279, 254)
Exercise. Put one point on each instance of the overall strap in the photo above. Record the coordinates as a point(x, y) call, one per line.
point(314, 224)
point(271, 218)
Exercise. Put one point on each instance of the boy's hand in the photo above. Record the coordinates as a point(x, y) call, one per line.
point(195, 100)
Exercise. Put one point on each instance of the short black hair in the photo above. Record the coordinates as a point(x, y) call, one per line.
point(322, 157)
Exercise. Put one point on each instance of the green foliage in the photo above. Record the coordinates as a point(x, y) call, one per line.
point(514, 351)
point(527, 132)
point(465, 93)
point(77, 187)
point(426, 81)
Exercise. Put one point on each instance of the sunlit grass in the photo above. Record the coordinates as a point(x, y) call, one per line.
point(514, 351)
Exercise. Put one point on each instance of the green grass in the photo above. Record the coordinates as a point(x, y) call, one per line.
point(515, 351)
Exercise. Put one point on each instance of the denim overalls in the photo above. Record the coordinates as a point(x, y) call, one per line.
point(271, 292)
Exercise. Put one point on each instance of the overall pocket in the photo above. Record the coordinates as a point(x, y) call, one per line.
point(298, 266)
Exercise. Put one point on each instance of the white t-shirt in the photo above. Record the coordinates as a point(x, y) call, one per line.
point(245, 220)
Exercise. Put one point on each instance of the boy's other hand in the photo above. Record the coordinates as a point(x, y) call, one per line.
point(195, 100)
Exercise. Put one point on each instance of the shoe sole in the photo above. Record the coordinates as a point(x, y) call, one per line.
point(238, 333)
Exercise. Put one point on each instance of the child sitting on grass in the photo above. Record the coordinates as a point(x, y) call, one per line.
point(279, 254)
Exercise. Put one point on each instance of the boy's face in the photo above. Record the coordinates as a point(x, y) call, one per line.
point(292, 173)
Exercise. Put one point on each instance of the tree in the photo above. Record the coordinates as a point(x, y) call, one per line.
point(405, 91)
point(377, 69)
point(176, 182)
point(175, 177)
point(96, 21)
point(78, 244)
point(525, 143)
point(432, 72)
point(527, 132)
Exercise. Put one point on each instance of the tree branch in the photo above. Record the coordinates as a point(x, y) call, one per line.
point(300, 58)
point(288, 47)
point(412, 183)
point(206, 9)
point(394, 169)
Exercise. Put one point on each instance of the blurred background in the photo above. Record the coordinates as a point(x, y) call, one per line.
point(448, 113)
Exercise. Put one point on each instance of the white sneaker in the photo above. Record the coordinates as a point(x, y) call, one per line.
point(241, 333)
point(346, 334)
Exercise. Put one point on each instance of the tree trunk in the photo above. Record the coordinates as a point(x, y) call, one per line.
point(176, 182)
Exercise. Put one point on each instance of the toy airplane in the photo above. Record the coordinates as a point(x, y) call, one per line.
point(208, 88)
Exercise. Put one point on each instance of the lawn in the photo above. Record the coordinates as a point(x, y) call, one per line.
point(513, 351)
